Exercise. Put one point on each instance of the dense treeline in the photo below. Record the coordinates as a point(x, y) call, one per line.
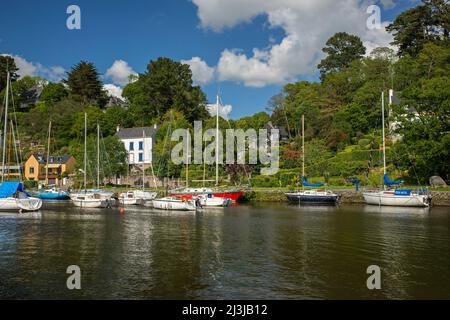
point(342, 111)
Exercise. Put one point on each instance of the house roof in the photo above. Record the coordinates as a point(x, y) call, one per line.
point(129, 133)
point(52, 159)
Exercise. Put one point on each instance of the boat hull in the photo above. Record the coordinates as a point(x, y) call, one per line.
point(25, 204)
point(173, 205)
point(53, 196)
point(88, 200)
point(234, 196)
point(131, 201)
point(136, 197)
point(91, 203)
point(381, 199)
point(312, 199)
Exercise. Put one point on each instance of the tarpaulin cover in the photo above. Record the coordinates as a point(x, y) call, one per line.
point(8, 188)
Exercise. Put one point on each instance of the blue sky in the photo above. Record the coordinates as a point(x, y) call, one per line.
point(246, 48)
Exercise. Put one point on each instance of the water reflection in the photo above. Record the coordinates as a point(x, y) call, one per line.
point(243, 252)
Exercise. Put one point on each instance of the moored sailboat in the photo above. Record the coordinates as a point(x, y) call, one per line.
point(233, 194)
point(89, 199)
point(12, 194)
point(392, 196)
point(312, 196)
point(53, 193)
point(175, 203)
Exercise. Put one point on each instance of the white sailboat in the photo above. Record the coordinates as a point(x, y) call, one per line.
point(89, 199)
point(175, 203)
point(138, 197)
point(209, 200)
point(391, 196)
point(12, 194)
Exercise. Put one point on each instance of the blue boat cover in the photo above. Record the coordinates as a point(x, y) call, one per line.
point(305, 183)
point(389, 182)
point(404, 192)
point(8, 188)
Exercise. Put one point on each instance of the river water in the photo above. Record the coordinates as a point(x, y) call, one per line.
point(244, 252)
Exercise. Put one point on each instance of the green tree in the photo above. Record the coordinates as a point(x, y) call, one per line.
point(341, 49)
point(7, 63)
point(84, 82)
point(413, 28)
point(424, 124)
point(53, 93)
point(166, 85)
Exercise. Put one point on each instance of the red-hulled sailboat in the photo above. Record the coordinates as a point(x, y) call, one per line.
point(188, 193)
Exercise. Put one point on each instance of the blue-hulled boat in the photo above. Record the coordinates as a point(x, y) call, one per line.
point(311, 196)
point(52, 194)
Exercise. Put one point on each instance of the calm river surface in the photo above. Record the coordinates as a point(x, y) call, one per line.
point(246, 252)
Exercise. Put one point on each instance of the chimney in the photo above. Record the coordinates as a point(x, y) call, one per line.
point(117, 128)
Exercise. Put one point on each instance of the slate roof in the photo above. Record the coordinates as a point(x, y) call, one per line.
point(53, 159)
point(131, 133)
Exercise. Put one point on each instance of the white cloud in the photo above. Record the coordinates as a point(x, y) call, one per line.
point(201, 73)
point(224, 110)
point(27, 68)
point(119, 72)
point(388, 4)
point(113, 90)
point(307, 24)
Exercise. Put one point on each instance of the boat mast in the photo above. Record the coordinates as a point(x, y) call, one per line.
point(85, 151)
point(98, 156)
point(187, 158)
point(217, 140)
point(303, 147)
point(5, 129)
point(143, 158)
point(48, 152)
point(384, 139)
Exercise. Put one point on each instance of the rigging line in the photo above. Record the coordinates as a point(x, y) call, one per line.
point(169, 129)
point(234, 143)
point(15, 152)
point(17, 124)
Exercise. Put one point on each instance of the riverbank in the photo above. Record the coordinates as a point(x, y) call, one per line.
point(348, 196)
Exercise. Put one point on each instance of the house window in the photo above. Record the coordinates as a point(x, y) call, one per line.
point(141, 157)
point(31, 170)
point(141, 145)
point(131, 146)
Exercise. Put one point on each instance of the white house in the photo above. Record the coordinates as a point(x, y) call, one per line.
point(139, 143)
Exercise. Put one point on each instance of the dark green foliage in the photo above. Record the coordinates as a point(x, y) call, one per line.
point(84, 82)
point(341, 49)
point(7, 63)
point(429, 22)
point(53, 93)
point(166, 85)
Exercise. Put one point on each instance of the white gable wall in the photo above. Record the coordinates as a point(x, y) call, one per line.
point(133, 155)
